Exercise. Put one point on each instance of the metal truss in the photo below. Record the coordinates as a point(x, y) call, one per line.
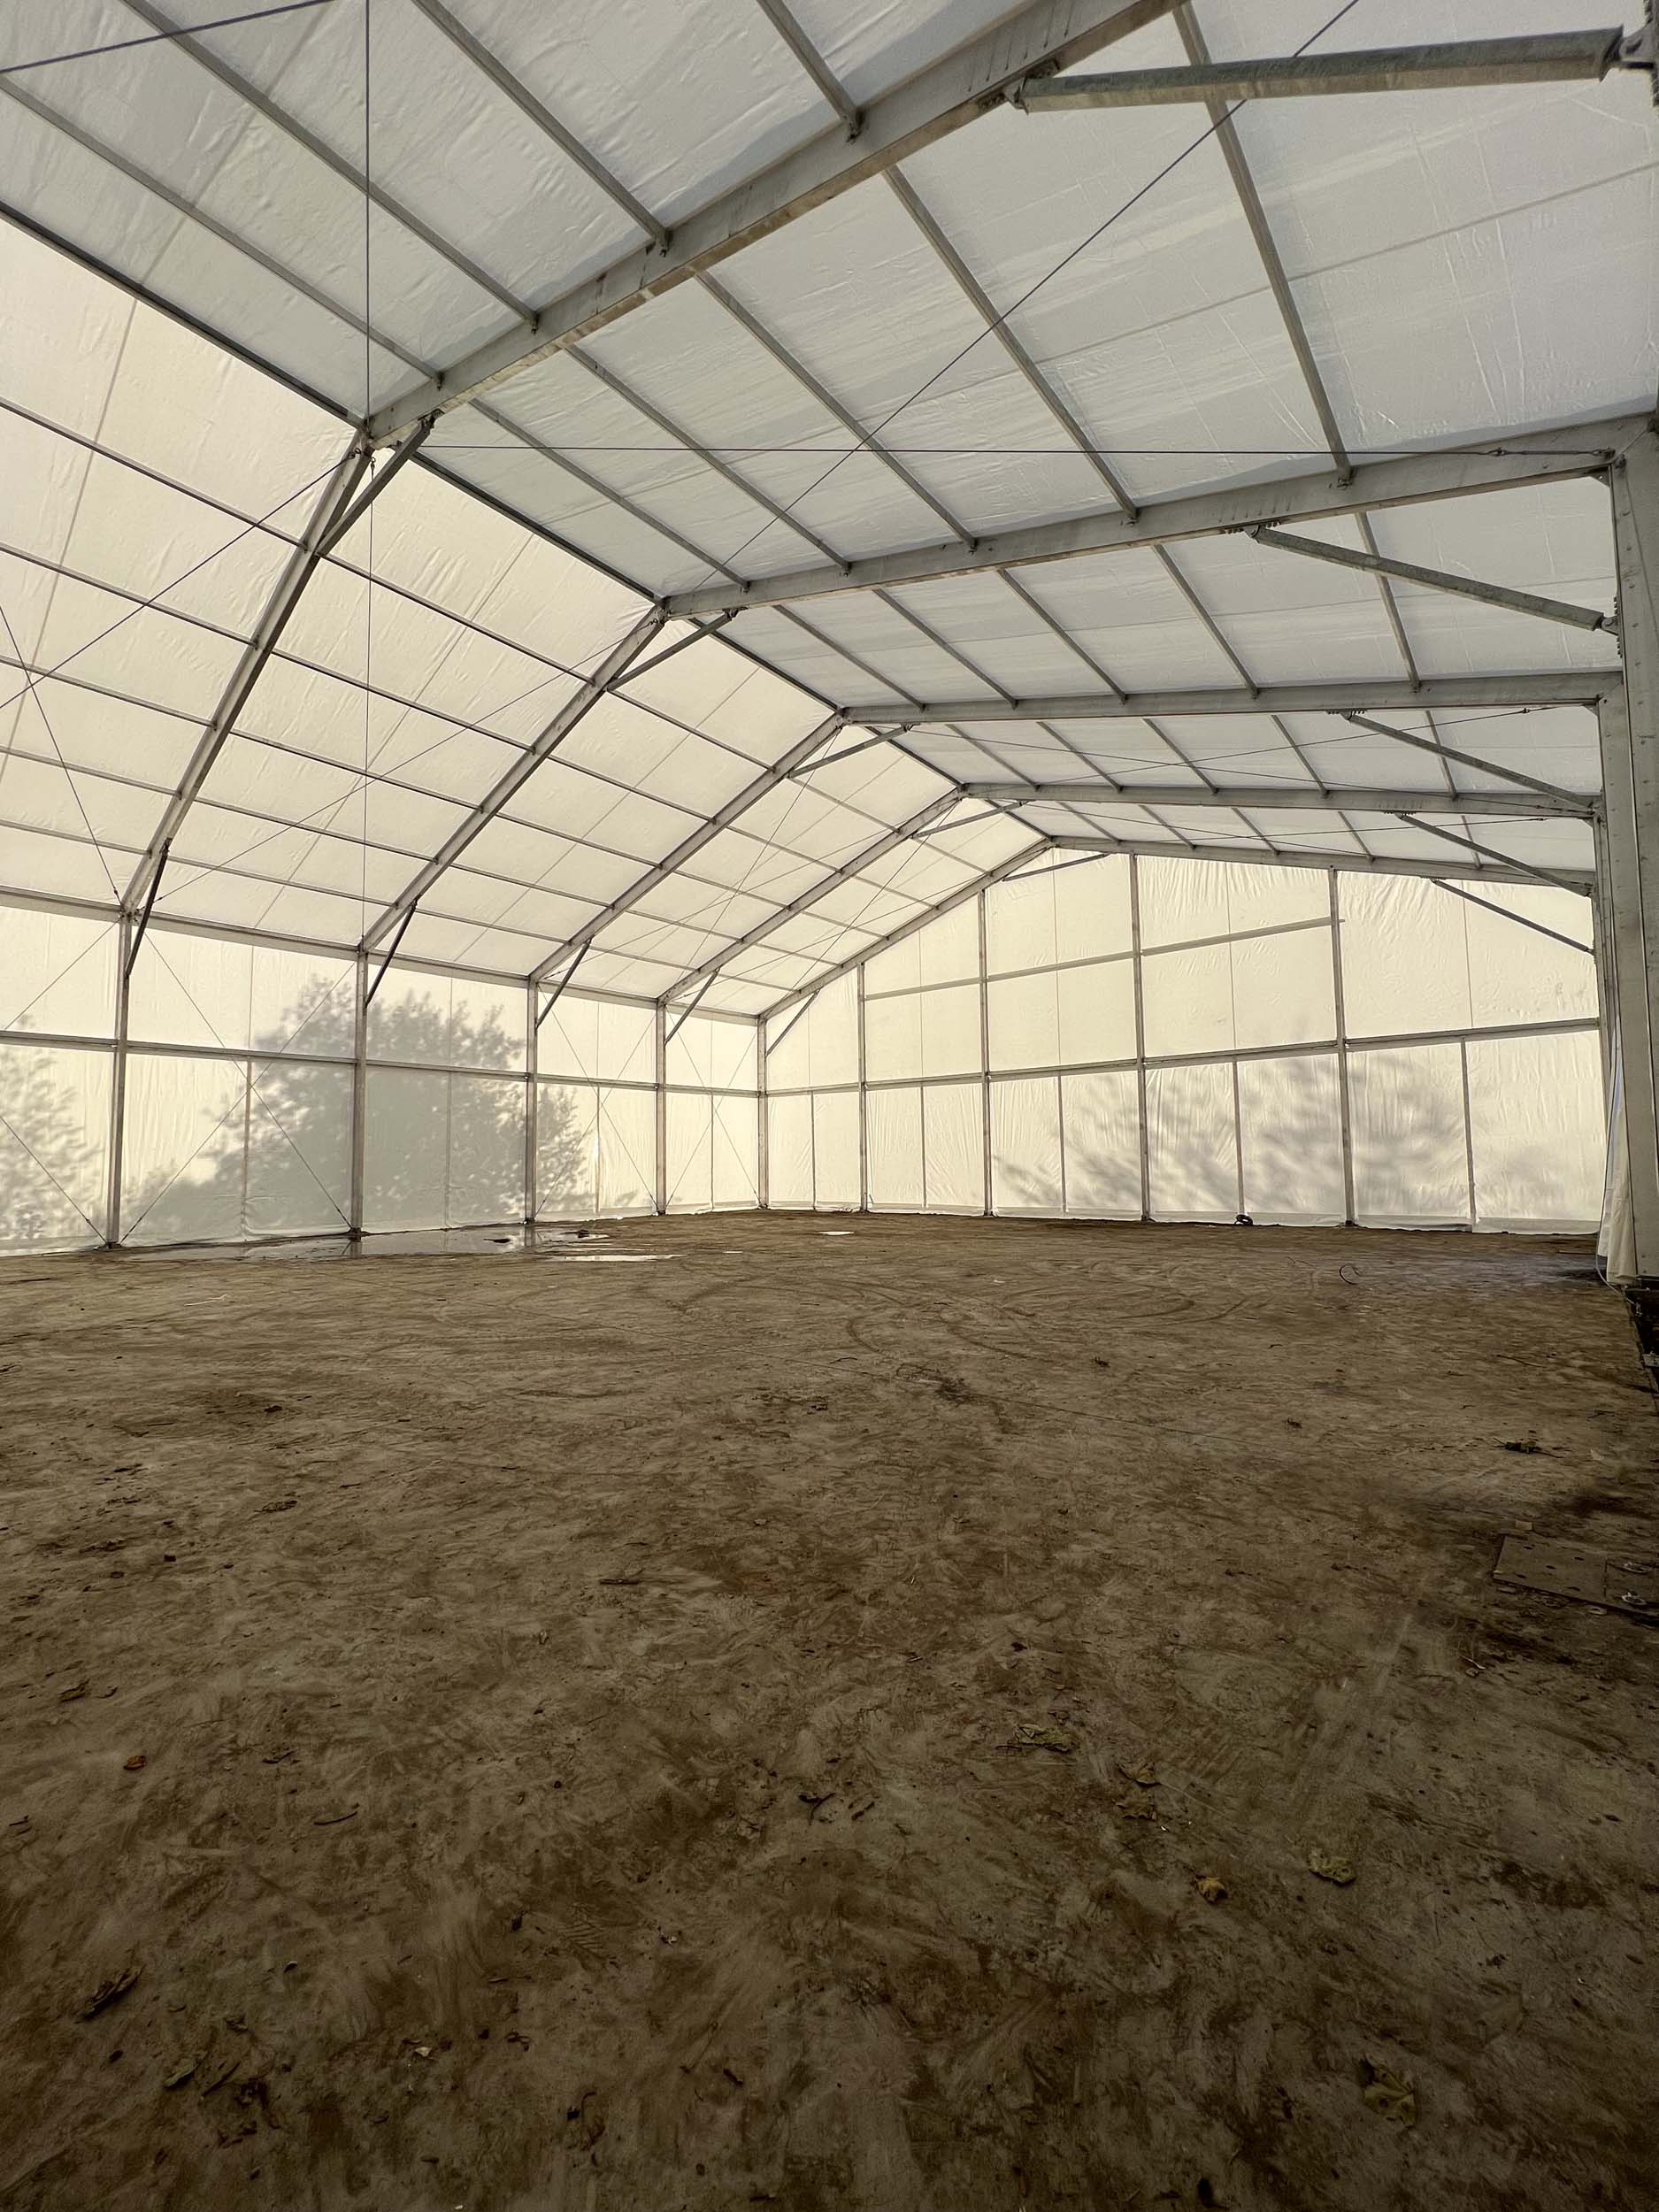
point(1570, 56)
point(1572, 687)
point(929, 107)
point(901, 834)
point(1536, 457)
point(1493, 805)
point(605, 679)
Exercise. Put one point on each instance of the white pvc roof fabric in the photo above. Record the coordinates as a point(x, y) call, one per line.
point(1460, 262)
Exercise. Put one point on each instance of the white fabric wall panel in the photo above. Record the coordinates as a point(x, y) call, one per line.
point(1101, 1123)
point(894, 1119)
point(625, 1043)
point(181, 1162)
point(299, 1151)
point(1535, 1119)
point(950, 1030)
point(1026, 1173)
point(209, 991)
point(1091, 909)
point(736, 1145)
point(449, 1021)
point(1019, 924)
point(1096, 1008)
point(441, 1151)
point(1267, 990)
point(1290, 1124)
point(789, 1151)
point(713, 1056)
point(1023, 1019)
point(566, 1150)
point(690, 1164)
point(1405, 958)
point(819, 1046)
point(832, 1033)
point(835, 1149)
point(213, 1156)
point(1283, 989)
point(486, 1150)
point(58, 972)
point(54, 1146)
point(1515, 975)
point(893, 1038)
point(947, 951)
point(1410, 1159)
point(1179, 900)
point(406, 1150)
point(597, 1040)
point(1064, 913)
point(953, 1148)
point(627, 1152)
point(1192, 1153)
point(1188, 997)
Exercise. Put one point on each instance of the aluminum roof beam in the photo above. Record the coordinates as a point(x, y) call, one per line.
point(604, 678)
point(1346, 864)
point(900, 835)
point(1299, 798)
point(1537, 457)
point(908, 929)
point(337, 502)
point(786, 765)
point(1439, 579)
point(937, 101)
point(1441, 751)
point(1552, 687)
point(1552, 57)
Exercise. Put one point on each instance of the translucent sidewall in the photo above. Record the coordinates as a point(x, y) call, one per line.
point(1180, 1041)
point(1193, 1041)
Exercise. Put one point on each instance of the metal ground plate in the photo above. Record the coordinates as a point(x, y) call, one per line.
point(1627, 1584)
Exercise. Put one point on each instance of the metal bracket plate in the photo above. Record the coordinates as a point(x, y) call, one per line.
point(1572, 1571)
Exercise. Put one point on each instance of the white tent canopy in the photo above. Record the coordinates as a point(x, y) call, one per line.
point(511, 488)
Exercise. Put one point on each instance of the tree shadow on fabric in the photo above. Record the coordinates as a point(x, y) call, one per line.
point(54, 1107)
point(1412, 1166)
point(232, 1149)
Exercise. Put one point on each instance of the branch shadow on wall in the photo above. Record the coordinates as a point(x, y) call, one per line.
point(1410, 1164)
point(228, 1150)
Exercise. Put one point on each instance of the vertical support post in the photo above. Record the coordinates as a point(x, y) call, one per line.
point(763, 1119)
point(118, 1083)
point(984, 1054)
point(660, 1062)
point(1140, 1039)
point(1602, 943)
point(863, 1104)
point(1344, 1105)
point(1237, 1141)
point(359, 1094)
point(1630, 769)
point(1469, 1130)
point(532, 1100)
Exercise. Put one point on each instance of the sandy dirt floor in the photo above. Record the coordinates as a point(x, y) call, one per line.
point(773, 1725)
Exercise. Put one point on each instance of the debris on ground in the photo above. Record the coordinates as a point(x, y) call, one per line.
point(1523, 1444)
point(180, 2074)
point(136, 1763)
point(1136, 1808)
point(66, 1697)
point(1387, 2092)
point(1331, 1867)
point(1212, 1888)
point(1041, 1736)
point(109, 1992)
point(1143, 1777)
